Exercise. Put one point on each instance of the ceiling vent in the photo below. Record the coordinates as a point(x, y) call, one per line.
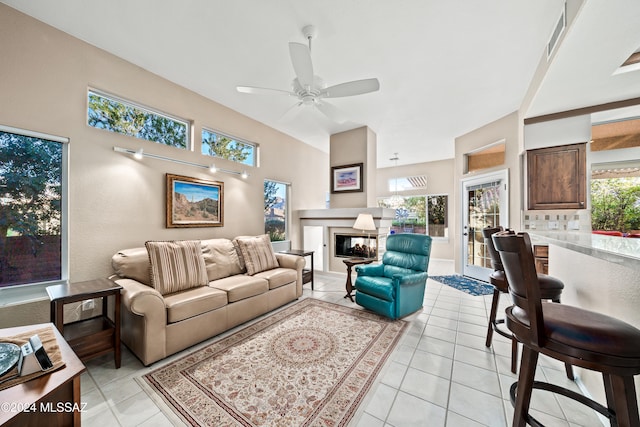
point(557, 31)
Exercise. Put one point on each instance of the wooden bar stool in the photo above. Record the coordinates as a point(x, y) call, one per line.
point(550, 289)
point(570, 334)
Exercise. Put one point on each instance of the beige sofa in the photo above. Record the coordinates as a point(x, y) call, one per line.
point(239, 285)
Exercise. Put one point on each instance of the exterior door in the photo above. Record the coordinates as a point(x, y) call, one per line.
point(485, 203)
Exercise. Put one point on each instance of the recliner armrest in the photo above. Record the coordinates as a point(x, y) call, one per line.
point(410, 279)
point(370, 270)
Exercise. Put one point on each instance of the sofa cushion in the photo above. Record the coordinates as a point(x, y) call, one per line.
point(192, 302)
point(257, 253)
point(220, 258)
point(132, 264)
point(241, 286)
point(278, 276)
point(176, 265)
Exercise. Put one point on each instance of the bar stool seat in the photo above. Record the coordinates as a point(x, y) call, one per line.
point(582, 333)
point(569, 334)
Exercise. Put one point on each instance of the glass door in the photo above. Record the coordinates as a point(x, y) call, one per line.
point(485, 204)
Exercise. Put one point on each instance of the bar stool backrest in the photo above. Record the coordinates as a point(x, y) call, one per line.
point(519, 267)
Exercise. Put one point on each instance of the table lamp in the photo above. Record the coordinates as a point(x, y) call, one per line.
point(365, 222)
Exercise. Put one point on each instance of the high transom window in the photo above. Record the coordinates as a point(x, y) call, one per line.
point(125, 117)
point(217, 144)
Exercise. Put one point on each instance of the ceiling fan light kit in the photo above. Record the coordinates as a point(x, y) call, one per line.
point(309, 88)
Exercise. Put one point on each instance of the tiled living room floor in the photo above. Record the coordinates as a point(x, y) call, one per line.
point(440, 374)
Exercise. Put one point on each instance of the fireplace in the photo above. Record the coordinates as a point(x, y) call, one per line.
point(355, 245)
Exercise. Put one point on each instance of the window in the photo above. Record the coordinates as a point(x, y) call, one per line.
point(615, 197)
point(276, 209)
point(419, 214)
point(226, 147)
point(115, 115)
point(32, 226)
point(437, 214)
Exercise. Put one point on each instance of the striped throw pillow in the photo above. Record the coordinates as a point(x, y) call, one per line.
point(176, 266)
point(257, 253)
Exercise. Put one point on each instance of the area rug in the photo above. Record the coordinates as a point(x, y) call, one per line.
point(310, 364)
point(465, 284)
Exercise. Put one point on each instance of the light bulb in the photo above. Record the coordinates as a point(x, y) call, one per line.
point(139, 154)
point(244, 174)
point(213, 168)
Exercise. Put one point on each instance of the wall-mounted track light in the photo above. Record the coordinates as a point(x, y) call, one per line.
point(140, 154)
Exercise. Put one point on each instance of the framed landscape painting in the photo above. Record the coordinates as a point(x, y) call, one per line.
point(193, 202)
point(347, 178)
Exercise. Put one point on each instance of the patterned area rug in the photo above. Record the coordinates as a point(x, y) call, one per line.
point(465, 284)
point(309, 364)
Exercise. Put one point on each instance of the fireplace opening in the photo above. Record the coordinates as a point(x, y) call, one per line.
point(352, 245)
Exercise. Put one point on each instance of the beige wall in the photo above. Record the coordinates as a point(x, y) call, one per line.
point(439, 181)
point(506, 128)
point(115, 201)
point(350, 147)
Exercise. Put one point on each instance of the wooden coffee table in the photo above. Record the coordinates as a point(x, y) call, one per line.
point(49, 400)
point(350, 262)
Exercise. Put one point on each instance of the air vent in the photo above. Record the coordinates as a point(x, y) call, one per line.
point(557, 31)
point(408, 183)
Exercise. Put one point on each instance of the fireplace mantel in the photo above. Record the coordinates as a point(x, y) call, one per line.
point(341, 220)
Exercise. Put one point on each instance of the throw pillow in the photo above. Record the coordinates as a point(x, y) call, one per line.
point(257, 253)
point(176, 266)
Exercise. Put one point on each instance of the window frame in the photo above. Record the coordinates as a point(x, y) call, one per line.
point(243, 141)
point(189, 146)
point(287, 209)
point(20, 292)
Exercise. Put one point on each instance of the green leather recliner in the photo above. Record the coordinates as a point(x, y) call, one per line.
point(396, 287)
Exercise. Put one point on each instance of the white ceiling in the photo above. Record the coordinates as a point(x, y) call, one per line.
point(445, 67)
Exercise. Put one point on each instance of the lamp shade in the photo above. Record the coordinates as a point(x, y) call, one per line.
point(364, 222)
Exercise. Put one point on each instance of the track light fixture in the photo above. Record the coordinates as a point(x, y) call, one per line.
point(140, 154)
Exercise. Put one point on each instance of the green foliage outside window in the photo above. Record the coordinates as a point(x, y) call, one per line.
point(217, 145)
point(119, 117)
point(30, 207)
point(615, 204)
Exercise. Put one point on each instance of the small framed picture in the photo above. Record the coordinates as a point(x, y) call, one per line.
point(347, 178)
point(193, 202)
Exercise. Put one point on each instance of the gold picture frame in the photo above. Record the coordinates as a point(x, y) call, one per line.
point(194, 202)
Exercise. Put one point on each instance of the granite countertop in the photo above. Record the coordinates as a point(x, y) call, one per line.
point(619, 250)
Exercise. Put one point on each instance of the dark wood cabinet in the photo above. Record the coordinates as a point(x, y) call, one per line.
point(541, 256)
point(557, 177)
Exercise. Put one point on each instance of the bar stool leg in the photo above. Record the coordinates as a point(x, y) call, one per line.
point(525, 386)
point(621, 399)
point(492, 316)
point(514, 355)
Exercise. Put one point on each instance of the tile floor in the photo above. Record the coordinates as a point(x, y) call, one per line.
point(440, 374)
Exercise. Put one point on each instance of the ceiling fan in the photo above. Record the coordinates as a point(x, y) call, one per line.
point(309, 88)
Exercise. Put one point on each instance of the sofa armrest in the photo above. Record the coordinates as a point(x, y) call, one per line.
point(290, 261)
point(293, 262)
point(144, 320)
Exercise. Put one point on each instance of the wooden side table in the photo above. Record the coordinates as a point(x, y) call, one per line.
point(307, 274)
point(350, 262)
point(92, 337)
point(52, 399)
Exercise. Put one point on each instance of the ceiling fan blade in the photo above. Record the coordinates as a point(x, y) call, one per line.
point(302, 65)
point(331, 111)
point(356, 87)
point(263, 91)
point(290, 113)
